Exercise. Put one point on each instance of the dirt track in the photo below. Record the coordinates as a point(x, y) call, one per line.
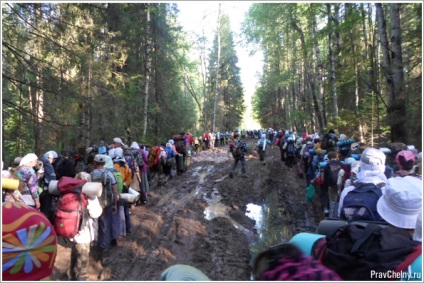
point(200, 218)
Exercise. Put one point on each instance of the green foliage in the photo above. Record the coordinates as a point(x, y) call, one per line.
point(86, 61)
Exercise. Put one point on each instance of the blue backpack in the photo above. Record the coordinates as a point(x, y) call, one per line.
point(361, 203)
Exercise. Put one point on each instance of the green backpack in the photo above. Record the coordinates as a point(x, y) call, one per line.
point(119, 180)
point(106, 198)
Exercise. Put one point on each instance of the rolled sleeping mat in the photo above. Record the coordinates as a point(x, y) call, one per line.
point(9, 184)
point(305, 241)
point(322, 164)
point(312, 151)
point(125, 197)
point(356, 156)
point(135, 193)
point(386, 150)
point(93, 189)
point(345, 143)
point(329, 226)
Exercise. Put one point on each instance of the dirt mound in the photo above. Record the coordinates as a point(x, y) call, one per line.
point(205, 219)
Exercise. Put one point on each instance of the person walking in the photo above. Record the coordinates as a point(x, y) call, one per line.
point(241, 144)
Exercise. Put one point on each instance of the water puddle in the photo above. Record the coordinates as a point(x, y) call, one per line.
point(217, 209)
point(270, 225)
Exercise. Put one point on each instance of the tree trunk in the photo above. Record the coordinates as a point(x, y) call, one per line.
point(392, 69)
point(147, 70)
point(397, 105)
point(317, 53)
point(332, 63)
point(39, 93)
point(308, 76)
point(217, 68)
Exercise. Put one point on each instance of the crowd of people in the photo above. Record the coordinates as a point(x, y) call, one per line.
point(118, 166)
point(353, 182)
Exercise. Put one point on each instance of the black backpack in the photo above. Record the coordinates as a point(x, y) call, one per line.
point(331, 173)
point(332, 140)
point(361, 203)
point(291, 149)
point(359, 253)
point(138, 157)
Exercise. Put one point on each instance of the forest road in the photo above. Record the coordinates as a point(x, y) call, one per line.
point(207, 220)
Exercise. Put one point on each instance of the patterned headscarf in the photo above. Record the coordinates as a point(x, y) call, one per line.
point(29, 243)
point(286, 262)
point(306, 269)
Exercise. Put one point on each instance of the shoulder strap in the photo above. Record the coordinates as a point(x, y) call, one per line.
point(369, 231)
point(409, 259)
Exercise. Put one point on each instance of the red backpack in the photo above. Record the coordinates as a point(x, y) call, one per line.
point(180, 145)
point(71, 207)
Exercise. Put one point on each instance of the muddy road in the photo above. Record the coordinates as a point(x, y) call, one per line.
point(205, 219)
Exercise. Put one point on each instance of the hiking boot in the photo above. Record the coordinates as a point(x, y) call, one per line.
point(105, 257)
point(231, 175)
point(326, 212)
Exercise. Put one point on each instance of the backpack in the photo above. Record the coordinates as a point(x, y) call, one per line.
point(348, 171)
point(152, 158)
point(138, 157)
point(291, 148)
point(361, 254)
point(361, 203)
point(306, 153)
point(237, 151)
point(332, 140)
point(71, 211)
point(119, 180)
point(107, 193)
point(331, 173)
point(180, 144)
point(15, 176)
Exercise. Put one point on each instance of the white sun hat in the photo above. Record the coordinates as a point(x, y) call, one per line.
point(400, 203)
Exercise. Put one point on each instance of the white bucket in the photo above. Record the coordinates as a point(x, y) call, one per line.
point(127, 198)
point(93, 189)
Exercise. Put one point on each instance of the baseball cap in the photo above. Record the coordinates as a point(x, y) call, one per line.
point(100, 158)
point(50, 154)
point(118, 140)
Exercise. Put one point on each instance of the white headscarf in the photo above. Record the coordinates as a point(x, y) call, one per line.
point(112, 153)
point(135, 145)
point(27, 159)
point(108, 163)
point(372, 167)
point(119, 152)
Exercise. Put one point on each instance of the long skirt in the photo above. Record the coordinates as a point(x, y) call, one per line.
point(118, 222)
